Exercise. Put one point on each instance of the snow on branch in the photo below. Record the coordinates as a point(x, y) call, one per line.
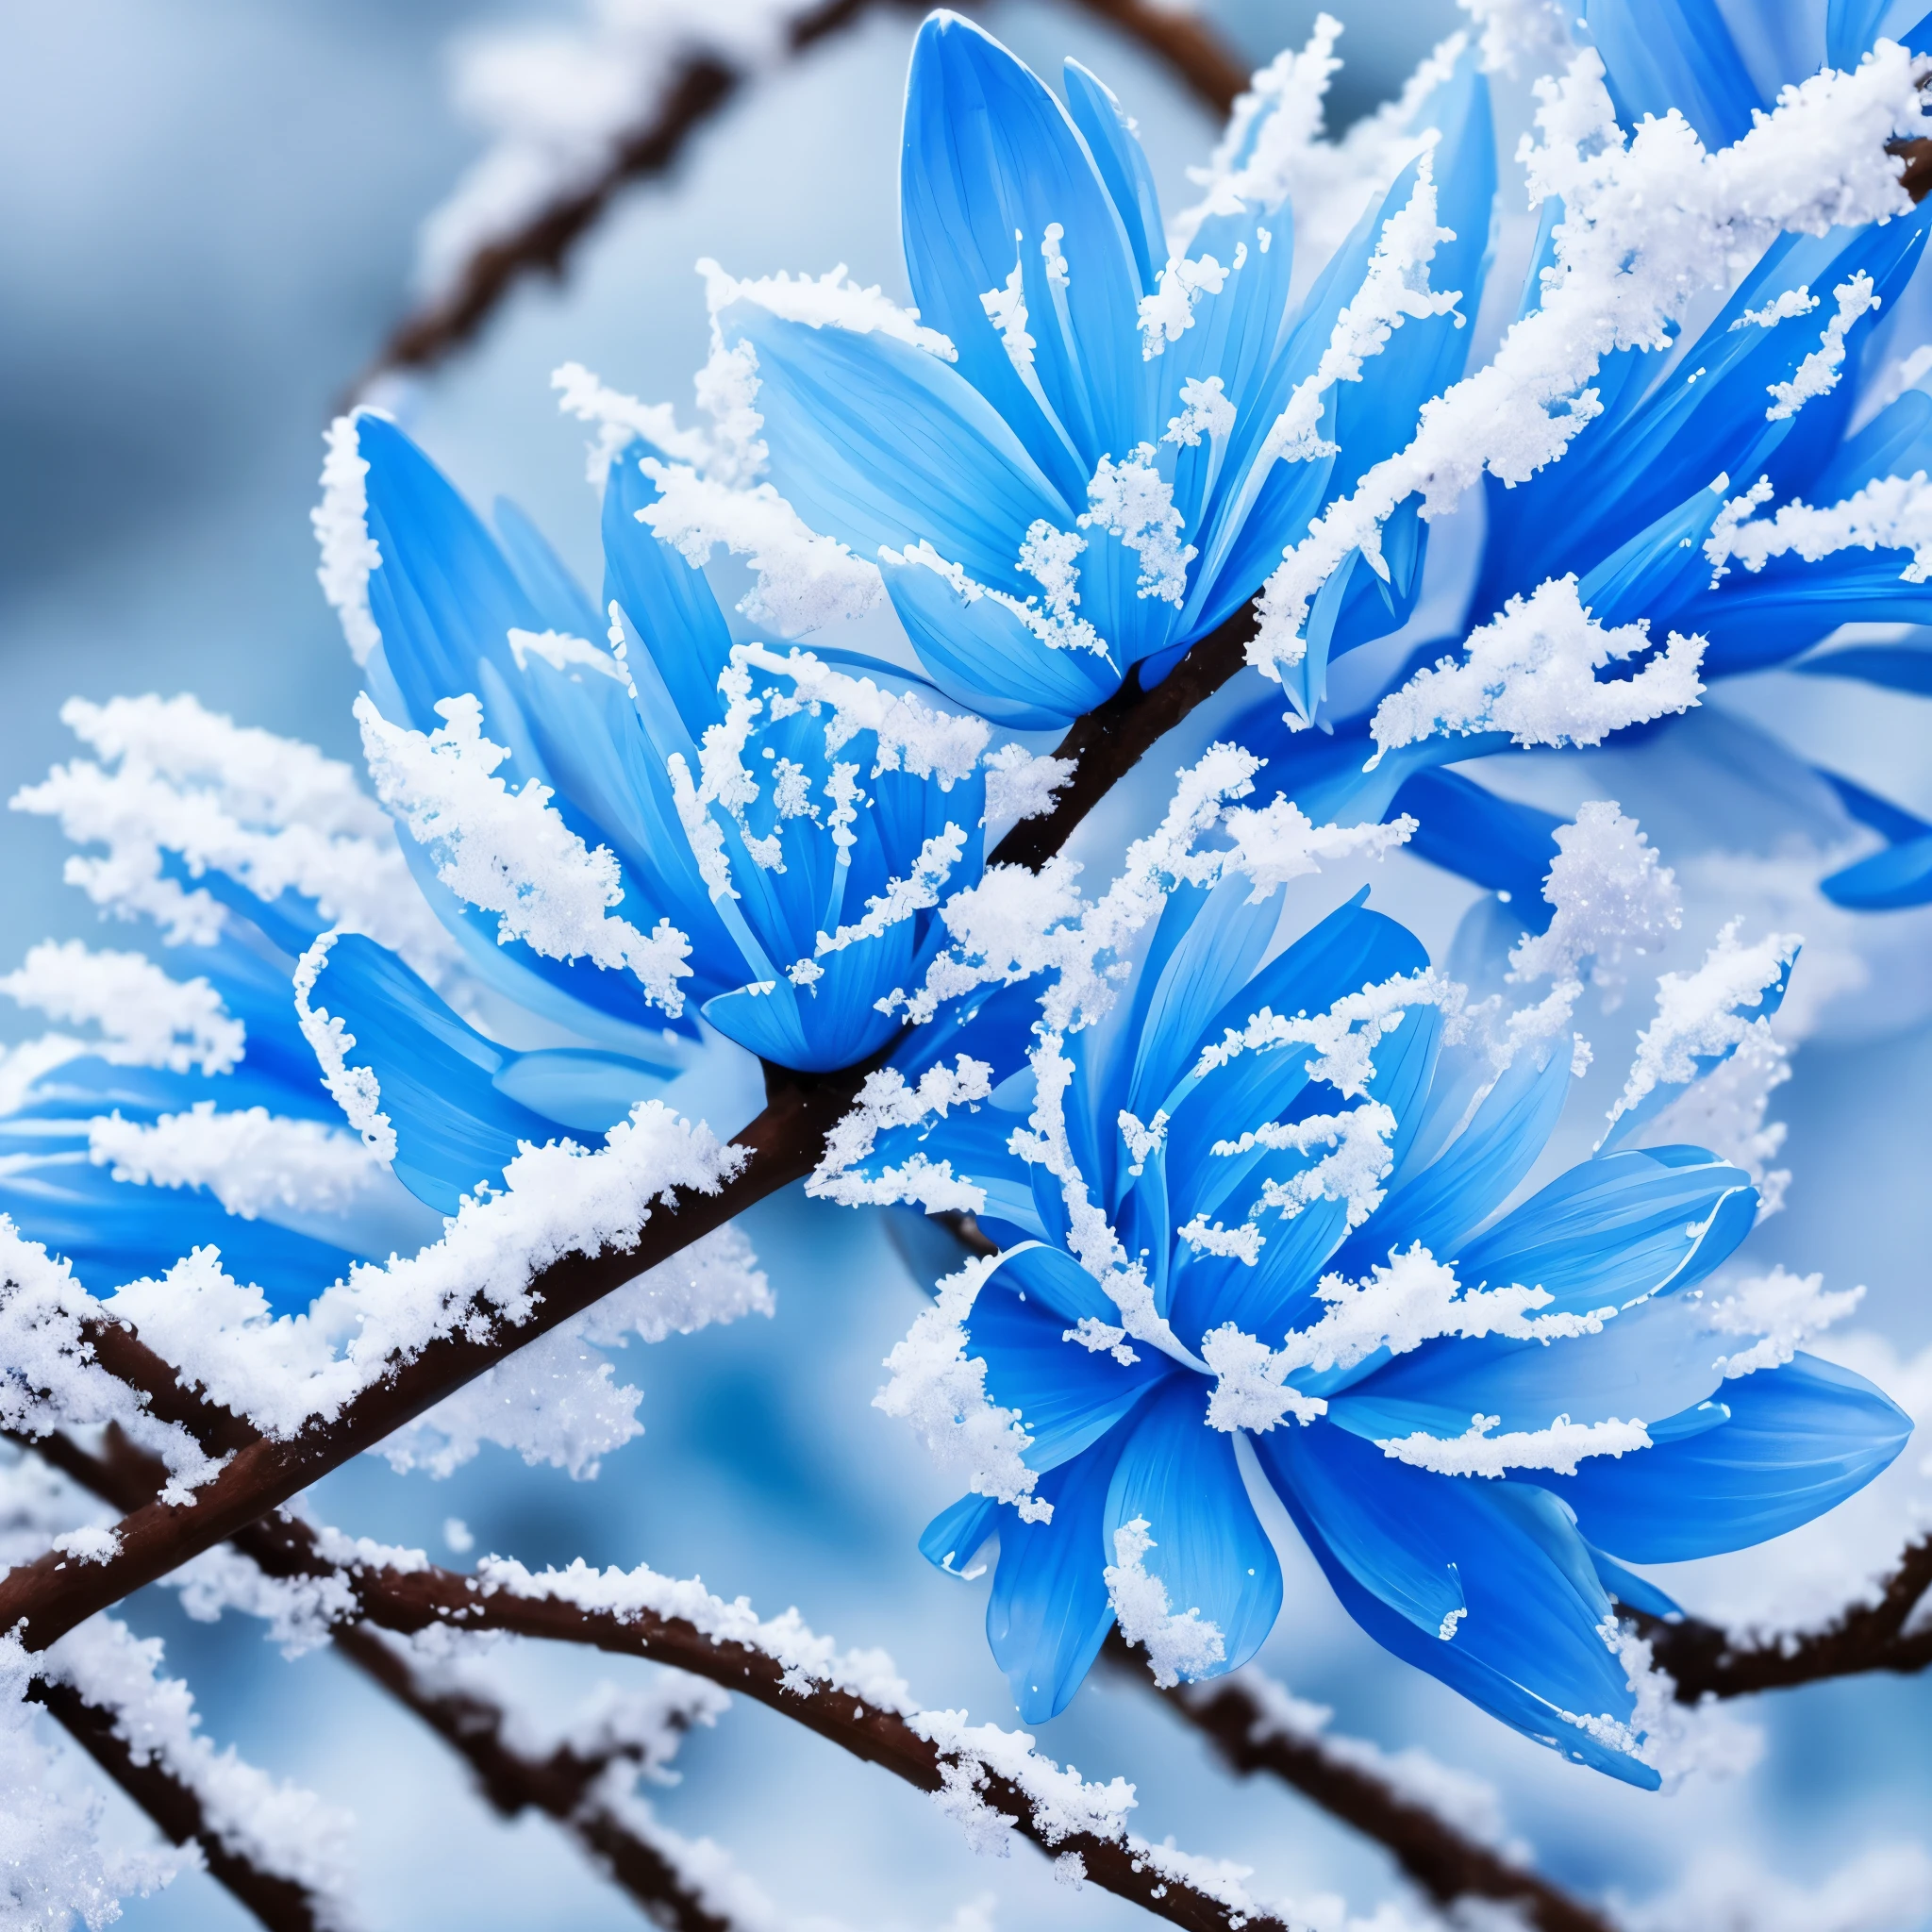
point(1444, 1827)
point(283, 1372)
point(991, 1781)
point(53, 1377)
point(276, 1830)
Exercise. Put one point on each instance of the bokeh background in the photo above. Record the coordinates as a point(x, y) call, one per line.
point(210, 210)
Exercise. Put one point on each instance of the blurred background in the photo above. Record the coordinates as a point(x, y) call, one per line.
point(212, 213)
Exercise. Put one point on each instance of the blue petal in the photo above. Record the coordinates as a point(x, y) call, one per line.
point(1900, 876)
point(1465, 1185)
point(1048, 1614)
point(991, 160)
point(1068, 1396)
point(442, 1084)
point(1209, 1551)
point(1800, 1439)
point(981, 654)
point(885, 446)
point(953, 1536)
point(1651, 1363)
point(1664, 54)
point(1405, 1550)
point(1611, 1229)
point(1123, 166)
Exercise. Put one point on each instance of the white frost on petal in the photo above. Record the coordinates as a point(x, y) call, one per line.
point(1817, 373)
point(805, 581)
point(1133, 501)
point(179, 782)
point(251, 1161)
point(1782, 1311)
point(940, 1389)
point(1702, 1014)
point(1610, 891)
point(1179, 1645)
point(349, 553)
point(1481, 1452)
point(619, 419)
point(1531, 672)
point(145, 1017)
point(510, 852)
point(355, 1089)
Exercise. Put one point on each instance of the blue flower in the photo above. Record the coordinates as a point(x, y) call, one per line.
point(1101, 453)
point(1285, 1177)
point(677, 822)
point(178, 1107)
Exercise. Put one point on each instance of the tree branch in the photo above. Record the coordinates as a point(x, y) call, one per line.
point(1445, 1862)
point(280, 1903)
point(1705, 1658)
point(561, 1786)
point(696, 90)
point(1109, 741)
point(782, 1144)
point(407, 1601)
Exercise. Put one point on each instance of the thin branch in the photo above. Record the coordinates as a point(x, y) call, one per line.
point(696, 90)
point(1705, 1658)
point(281, 1904)
point(408, 1601)
point(561, 1786)
point(781, 1146)
point(1109, 741)
point(1445, 1862)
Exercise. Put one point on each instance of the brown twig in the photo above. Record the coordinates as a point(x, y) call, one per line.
point(561, 1786)
point(413, 1600)
point(408, 1601)
point(1446, 1863)
point(1705, 1660)
point(1109, 741)
point(281, 1904)
point(697, 90)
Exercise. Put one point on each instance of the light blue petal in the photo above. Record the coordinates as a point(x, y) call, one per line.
point(885, 446)
point(1609, 1230)
point(1652, 1363)
point(1471, 1179)
point(990, 161)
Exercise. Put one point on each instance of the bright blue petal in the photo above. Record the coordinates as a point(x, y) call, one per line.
point(1405, 1549)
point(1048, 1612)
point(1210, 1554)
point(1799, 1440)
point(1067, 1395)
